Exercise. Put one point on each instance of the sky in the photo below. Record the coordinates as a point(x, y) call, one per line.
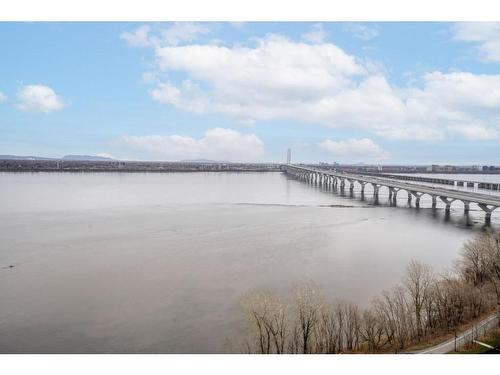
point(379, 93)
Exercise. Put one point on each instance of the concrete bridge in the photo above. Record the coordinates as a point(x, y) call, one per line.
point(337, 179)
point(442, 181)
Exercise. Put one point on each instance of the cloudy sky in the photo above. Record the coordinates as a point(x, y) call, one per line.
point(348, 92)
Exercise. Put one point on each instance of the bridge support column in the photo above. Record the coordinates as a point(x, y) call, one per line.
point(487, 210)
point(375, 190)
point(342, 184)
point(417, 198)
point(393, 193)
point(362, 186)
point(448, 202)
point(409, 198)
point(351, 186)
point(466, 206)
point(434, 201)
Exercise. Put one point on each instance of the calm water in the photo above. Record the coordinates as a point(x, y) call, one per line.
point(158, 262)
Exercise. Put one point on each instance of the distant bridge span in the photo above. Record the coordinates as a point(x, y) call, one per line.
point(338, 179)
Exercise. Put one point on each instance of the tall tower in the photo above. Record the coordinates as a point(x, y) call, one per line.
point(289, 156)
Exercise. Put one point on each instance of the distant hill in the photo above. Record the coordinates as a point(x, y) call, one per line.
point(15, 157)
point(86, 158)
point(66, 157)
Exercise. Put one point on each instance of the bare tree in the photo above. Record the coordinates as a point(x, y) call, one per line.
point(371, 330)
point(326, 331)
point(308, 304)
point(268, 322)
point(351, 326)
point(394, 309)
point(475, 262)
point(417, 281)
point(339, 317)
point(481, 262)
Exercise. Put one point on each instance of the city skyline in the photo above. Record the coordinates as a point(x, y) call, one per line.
point(387, 93)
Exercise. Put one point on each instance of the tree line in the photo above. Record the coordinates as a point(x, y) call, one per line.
point(422, 305)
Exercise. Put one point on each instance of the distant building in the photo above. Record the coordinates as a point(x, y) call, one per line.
point(289, 156)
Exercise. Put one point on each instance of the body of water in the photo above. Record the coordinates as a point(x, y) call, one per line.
point(158, 263)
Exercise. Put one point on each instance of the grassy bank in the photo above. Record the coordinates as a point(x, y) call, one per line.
point(492, 338)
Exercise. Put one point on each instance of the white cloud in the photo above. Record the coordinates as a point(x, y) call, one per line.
point(39, 98)
point(316, 35)
point(362, 31)
point(364, 149)
point(175, 34)
point(280, 79)
point(216, 144)
point(140, 37)
point(3, 97)
point(183, 32)
point(255, 83)
point(485, 34)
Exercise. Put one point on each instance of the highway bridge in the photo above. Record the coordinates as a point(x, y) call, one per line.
point(339, 179)
point(442, 181)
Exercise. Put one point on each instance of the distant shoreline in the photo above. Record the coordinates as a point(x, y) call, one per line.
point(79, 166)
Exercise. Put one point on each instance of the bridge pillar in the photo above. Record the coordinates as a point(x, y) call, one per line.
point(393, 193)
point(434, 201)
point(351, 186)
point(342, 184)
point(375, 189)
point(417, 198)
point(487, 210)
point(362, 186)
point(409, 198)
point(466, 206)
point(448, 202)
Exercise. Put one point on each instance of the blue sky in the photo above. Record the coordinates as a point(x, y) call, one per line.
point(350, 92)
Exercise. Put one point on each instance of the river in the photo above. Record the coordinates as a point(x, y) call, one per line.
point(157, 263)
